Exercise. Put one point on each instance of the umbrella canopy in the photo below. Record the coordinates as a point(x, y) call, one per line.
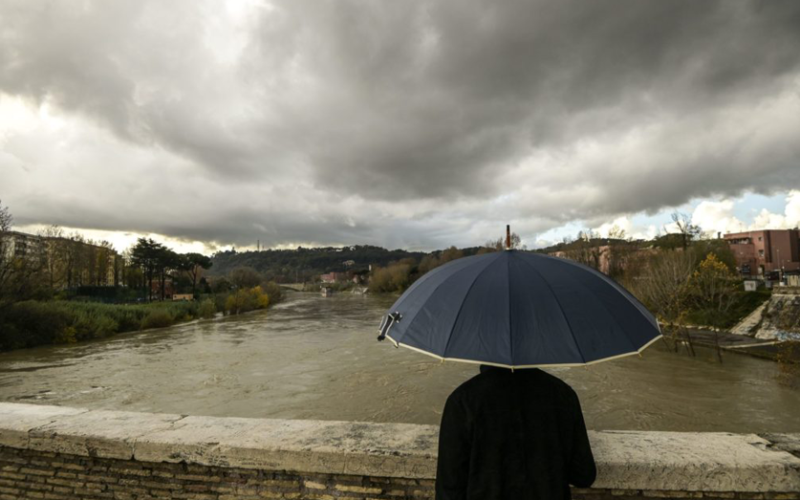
point(519, 310)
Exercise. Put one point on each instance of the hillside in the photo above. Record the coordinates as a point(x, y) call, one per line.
point(301, 263)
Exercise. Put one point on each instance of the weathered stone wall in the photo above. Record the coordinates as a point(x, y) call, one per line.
point(66, 453)
point(32, 474)
point(46, 475)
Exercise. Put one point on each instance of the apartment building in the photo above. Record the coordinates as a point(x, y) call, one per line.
point(761, 253)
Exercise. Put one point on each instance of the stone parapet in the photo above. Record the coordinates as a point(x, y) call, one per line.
point(47, 451)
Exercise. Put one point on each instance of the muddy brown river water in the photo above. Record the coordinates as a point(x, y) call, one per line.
point(315, 358)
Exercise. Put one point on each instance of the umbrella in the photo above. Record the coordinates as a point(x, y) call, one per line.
point(518, 309)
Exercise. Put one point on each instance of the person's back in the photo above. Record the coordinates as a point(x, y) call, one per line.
point(513, 435)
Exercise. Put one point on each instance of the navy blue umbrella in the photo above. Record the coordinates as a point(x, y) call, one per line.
point(519, 310)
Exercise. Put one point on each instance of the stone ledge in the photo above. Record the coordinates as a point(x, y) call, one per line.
point(627, 460)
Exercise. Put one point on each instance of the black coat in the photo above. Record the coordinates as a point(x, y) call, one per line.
point(513, 435)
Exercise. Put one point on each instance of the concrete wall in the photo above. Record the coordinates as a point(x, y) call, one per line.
point(65, 453)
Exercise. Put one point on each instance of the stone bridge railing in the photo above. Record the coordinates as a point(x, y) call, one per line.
point(66, 453)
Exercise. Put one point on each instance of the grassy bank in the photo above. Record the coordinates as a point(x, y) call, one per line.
point(34, 323)
point(742, 304)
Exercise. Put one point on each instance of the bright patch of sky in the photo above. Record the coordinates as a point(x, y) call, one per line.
point(749, 212)
point(122, 241)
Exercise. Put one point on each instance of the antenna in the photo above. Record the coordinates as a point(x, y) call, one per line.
point(508, 237)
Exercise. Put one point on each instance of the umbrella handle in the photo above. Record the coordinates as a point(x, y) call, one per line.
point(386, 324)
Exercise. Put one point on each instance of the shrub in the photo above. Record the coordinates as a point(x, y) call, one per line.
point(245, 300)
point(66, 336)
point(207, 309)
point(32, 323)
point(395, 278)
point(273, 290)
point(158, 318)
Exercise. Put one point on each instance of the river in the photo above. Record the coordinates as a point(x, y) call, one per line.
point(315, 358)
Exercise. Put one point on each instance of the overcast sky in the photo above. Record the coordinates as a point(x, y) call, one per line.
point(416, 124)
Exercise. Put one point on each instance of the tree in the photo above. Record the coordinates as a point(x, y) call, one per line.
point(500, 243)
point(54, 255)
point(432, 261)
point(686, 229)
point(20, 271)
point(147, 255)
point(104, 257)
point(70, 252)
point(616, 233)
point(245, 277)
point(713, 288)
point(193, 264)
point(396, 277)
point(6, 220)
point(6, 259)
point(167, 262)
point(664, 286)
point(428, 263)
point(619, 251)
point(449, 254)
point(221, 285)
point(586, 249)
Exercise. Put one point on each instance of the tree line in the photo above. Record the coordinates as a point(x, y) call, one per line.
point(150, 261)
point(43, 276)
point(43, 265)
point(398, 275)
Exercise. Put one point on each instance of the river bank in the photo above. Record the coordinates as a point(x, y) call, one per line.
point(309, 357)
point(774, 350)
point(35, 323)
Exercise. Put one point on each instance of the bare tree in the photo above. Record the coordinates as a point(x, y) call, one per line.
point(19, 267)
point(664, 286)
point(245, 277)
point(586, 249)
point(54, 249)
point(6, 259)
point(619, 252)
point(500, 243)
point(686, 229)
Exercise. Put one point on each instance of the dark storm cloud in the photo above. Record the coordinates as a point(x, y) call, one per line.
point(537, 111)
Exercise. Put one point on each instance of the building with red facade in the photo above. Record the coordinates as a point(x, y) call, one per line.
point(762, 253)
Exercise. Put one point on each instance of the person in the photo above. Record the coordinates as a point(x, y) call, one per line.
point(513, 435)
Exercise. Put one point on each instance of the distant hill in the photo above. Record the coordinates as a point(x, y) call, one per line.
point(286, 266)
point(577, 244)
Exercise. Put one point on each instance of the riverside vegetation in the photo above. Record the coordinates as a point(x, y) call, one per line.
point(61, 290)
point(32, 323)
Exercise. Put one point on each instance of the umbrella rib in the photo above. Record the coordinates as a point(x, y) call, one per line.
point(427, 276)
point(625, 293)
point(508, 292)
point(410, 320)
point(461, 307)
point(561, 309)
point(610, 311)
point(613, 315)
